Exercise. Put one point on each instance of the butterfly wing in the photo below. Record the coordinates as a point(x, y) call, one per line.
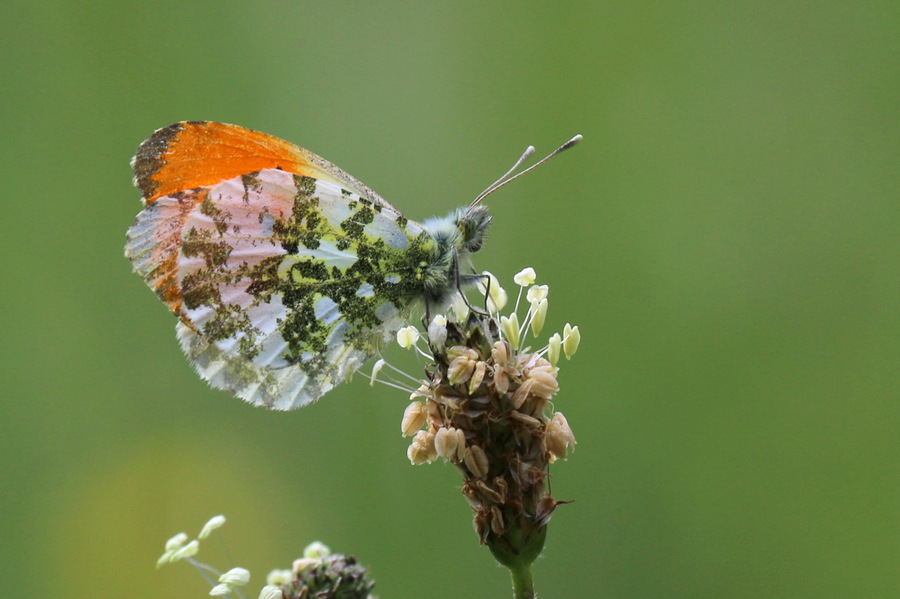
point(193, 154)
point(284, 283)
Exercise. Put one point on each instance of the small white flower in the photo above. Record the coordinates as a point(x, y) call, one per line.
point(236, 577)
point(437, 331)
point(497, 296)
point(189, 550)
point(220, 590)
point(559, 436)
point(571, 339)
point(176, 542)
point(553, 348)
point(510, 327)
point(413, 418)
point(376, 368)
point(476, 461)
point(164, 559)
point(317, 550)
point(462, 364)
point(459, 308)
point(422, 391)
point(539, 314)
point(407, 336)
point(211, 524)
point(304, 563)
point(270, 592)
point(525, 277)
point(277, 577)
point(421, 450)
point(446, 442)
point(537, 293)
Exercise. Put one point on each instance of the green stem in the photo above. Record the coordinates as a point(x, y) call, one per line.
point(523, 586)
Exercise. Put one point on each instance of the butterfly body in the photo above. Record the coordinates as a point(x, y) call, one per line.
point(285, 272)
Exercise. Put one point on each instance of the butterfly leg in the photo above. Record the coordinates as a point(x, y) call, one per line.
point(464, 279)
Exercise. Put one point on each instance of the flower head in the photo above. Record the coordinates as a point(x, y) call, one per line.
point(485, 407)
point(319, 573)
point(331, 575)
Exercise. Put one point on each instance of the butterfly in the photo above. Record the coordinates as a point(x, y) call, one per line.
point(285, 272)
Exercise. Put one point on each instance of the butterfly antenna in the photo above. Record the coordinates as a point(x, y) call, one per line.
point(528, 153)
point(506, 178)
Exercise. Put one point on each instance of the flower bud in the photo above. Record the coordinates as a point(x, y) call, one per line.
point(407, 337)
point(462, 365)
point(559, 436)
point(277, 577)
point(477, 376)
point(421, 450)
point(537, 293)
point(497, 526)
point(189, 550)
point(270, 592)
point(317, 550)
point(525, 277)
point(376, 368)
point(446, 443)
point(571, 339)
point(460, 445)
point(500, 353)
point(544, 379)
point(177, 542)
point(212, 524)
point(304, 563)
point(501, 380)
point(510, 327)
point(413, 418)
point(553, 348)
point(437, 331)
point(539, 314)
point(459, 308)
point(236, 577)
point(476, 461)
point(521, 394)
point(496, 295)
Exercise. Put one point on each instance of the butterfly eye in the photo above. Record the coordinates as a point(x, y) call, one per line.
point(472, 225)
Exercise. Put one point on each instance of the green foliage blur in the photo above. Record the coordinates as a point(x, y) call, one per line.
point(725, 237)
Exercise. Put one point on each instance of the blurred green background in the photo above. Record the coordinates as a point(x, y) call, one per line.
point(725, 236)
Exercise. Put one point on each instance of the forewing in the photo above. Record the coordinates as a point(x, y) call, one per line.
point(193, 154)
point(283, 284)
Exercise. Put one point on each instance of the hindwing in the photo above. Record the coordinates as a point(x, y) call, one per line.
point(284, 284)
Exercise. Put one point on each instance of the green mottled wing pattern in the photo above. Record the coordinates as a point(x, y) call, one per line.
point(287, 283)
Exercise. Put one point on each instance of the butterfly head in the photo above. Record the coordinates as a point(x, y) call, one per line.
point(460, 232)
point(472, 223)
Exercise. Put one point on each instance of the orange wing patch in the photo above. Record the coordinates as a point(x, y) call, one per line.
point(195, 154)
